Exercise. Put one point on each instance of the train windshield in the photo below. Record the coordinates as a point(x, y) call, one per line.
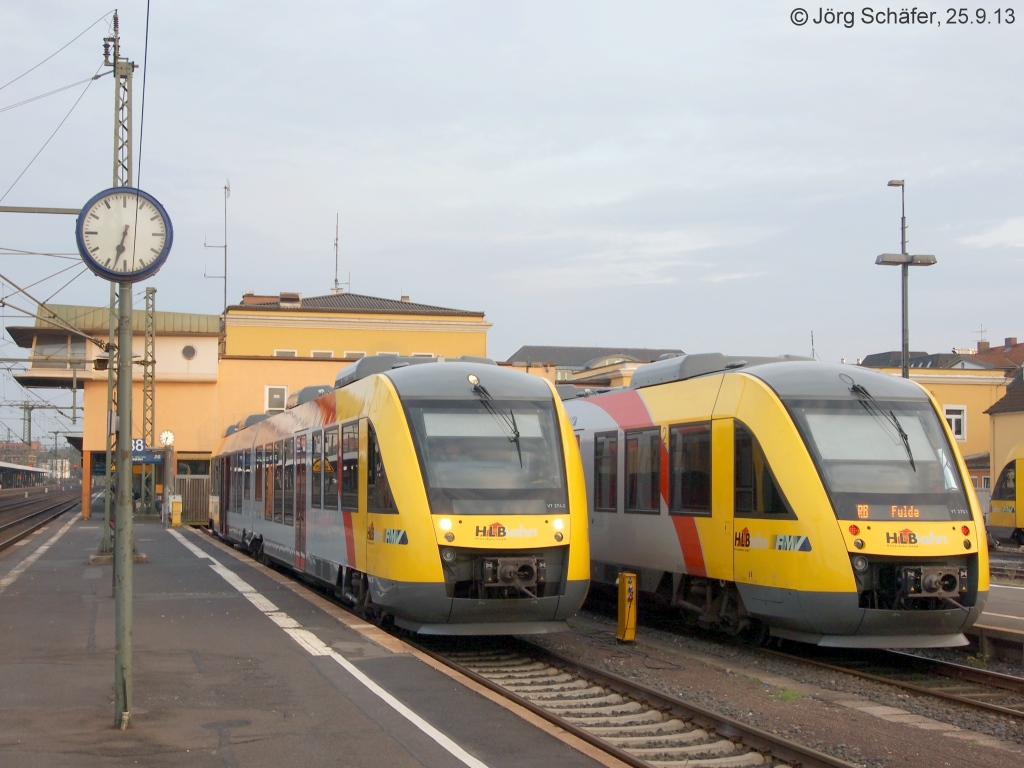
point(490, 456)
point(883, 460)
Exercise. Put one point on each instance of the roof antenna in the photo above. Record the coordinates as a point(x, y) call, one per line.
point(337, 285)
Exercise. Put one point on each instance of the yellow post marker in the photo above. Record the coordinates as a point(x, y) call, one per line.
point(627, 607)
point(175, 511)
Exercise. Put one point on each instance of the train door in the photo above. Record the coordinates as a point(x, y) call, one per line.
point(225, 492)
point(301, 458)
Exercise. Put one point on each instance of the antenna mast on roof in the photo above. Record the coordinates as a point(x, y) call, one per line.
point(337, 285)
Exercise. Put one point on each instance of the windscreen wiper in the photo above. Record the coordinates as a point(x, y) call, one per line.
point(507, 423)
point(870, 404)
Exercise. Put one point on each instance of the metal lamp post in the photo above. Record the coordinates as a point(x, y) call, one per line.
point(904, 260)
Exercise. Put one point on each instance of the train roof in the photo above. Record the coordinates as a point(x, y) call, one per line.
point(368, 366)
point(788, 375)
point(690, 366)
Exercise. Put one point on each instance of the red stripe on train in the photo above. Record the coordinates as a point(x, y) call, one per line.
point(629, 411)
point(350, 544)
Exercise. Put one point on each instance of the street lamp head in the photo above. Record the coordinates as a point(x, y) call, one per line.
point(911, 260)
point(895, 183)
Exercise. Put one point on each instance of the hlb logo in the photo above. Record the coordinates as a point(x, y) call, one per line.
point(499, 531)
point(747, 540)
point(906, 536)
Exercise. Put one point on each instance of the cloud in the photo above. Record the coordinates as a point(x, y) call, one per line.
point(1009, 234)
point(725, 277)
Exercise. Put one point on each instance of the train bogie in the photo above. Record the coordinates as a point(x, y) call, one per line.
point(824, 503)
point(445, 497)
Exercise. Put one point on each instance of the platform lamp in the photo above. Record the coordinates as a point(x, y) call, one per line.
point(904, 260)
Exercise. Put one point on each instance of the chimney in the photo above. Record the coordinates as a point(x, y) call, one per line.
point(405, 299)
point(1011, 341)
point(982, 347)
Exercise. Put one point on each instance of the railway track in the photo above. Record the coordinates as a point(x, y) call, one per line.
point(974, 687)
point(637, 725)
point(21, 518)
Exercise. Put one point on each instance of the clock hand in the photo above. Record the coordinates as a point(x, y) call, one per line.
point(120, 246)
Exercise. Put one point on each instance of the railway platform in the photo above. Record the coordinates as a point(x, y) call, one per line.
point(232, 665)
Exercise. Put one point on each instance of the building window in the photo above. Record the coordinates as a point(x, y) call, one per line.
point(188, 352)
point(354, 355)
point(285, 353)
point(643, 464)
point(986, 482)
point(382, 354)
point(422, 354)
point(956, 417)
point(606, 471)
point(274, 399)
point(322, 353)
point(53, 350)
point(689, 466)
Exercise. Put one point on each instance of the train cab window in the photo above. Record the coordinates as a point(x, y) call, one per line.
point(331, 468)
point(379, 496)
point(317, 476)
point(257, 465)
point(348, 467)
point(606, 471)
point(643, 471)
point(1006, 485)
point(278, 500)
point(756, 492)
point(288, 482)
point(689, 464)
point(246, 474)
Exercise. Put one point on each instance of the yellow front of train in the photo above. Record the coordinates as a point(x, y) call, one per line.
point(476, 519)
point(1006, 515)
point(863, 529)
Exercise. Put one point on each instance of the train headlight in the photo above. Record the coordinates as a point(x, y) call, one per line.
point(472, 379)
point(558, 525)
point(558, 535)
point(449, 537)
point(446, 524)
point(860, 563)
point(448, 555)
point(858, 543)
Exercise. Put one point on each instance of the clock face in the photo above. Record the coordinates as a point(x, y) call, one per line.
point(166, 437)
point(124, 234)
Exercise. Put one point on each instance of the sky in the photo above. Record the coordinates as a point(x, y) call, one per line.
point(710, 177)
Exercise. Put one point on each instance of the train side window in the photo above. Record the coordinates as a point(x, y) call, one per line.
point(606, 471)
point(317, 476)
point(349, 466)
point(258, 467)
point(288, 483)
point(236, 478)
point(689, 460)
point(331, 468)
point(756, 491)
point(643, 471)
point(246, 475)
point(1006, 485)
point(379, 496)
point(278, 481)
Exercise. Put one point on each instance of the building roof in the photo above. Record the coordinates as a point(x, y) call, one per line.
point(587, 357)
point(344, 302)
point(940, 360)
point(94, 321)
point(1008, 356)
point(1013, 400)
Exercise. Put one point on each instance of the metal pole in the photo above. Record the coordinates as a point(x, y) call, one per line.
point(123, 542)
point(905, 270)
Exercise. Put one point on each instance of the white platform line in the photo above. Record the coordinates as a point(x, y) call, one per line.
point(25, 564)
point(313, 645)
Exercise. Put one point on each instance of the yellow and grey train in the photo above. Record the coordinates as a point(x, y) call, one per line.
point(1005, 514)
point(445, 496)
point(786, 498)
